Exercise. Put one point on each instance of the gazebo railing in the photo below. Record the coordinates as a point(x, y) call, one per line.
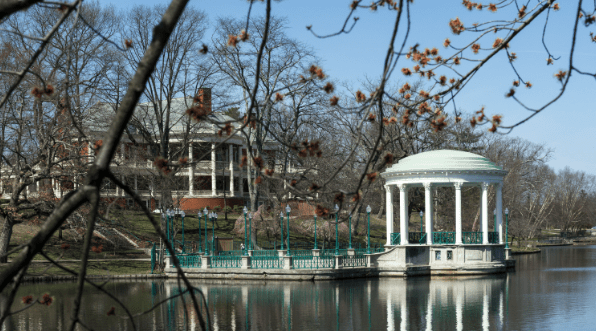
point(417, 237)
point(493, 237)
point(396, 238)
point(354, 261)
point(472, 237)
point(226, 262)
point(266, 262)
point(443, 237)
point(313, 262)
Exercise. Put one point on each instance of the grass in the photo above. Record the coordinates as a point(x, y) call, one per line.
point(137, 224)
point(68, 248)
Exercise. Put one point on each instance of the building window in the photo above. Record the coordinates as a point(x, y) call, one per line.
point(438, 255)
point(449, 255)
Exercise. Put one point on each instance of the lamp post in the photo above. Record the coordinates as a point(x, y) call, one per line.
point(368, 210)
point(182, 213)
point(336, 209)
point(506, 228)
point(172, 217)
point(199, 218)
point(421, 214)
point(213, 232)
point(281, 224)
point(244, 251)
point(288, 209)
point(315, 231)
point(250, 231)
point(168, 224)
point(205, 213)
point(495, 220)
point(164, 218)
point(350, 230)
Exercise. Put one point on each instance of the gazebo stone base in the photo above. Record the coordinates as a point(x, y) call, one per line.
point(441, 257)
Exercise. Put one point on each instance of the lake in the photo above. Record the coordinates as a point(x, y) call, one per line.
point(553, 290)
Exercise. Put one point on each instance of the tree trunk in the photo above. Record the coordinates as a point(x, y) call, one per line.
point(5, 235)
point(380, 213)
point(356, 221)
point(475, 225)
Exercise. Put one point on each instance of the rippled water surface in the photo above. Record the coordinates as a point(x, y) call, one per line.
point(554, 290)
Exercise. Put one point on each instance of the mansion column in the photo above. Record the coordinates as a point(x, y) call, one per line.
point(213, 177)
point(389, 214)
point(484, 187)
point(428, 205)
point(231, 157)
point(500, 212)
point(403, 213)
point(191, 172)
point(458, 230)
point(240, 176)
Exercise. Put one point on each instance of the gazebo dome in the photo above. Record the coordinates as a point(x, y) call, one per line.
point(444, 160)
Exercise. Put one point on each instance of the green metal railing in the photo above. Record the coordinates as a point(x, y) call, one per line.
point(230, 253)
point(443, 237)
point(417, 237)
point(313, 262)
point(374, 249)
point(226, 262)
point(377, 249)
point(493, 237)
point(354, 261)
point(395, 238)
point(331, 252)
point(302, 252)
point(472, 237)
point(189, 260)
point(266, 262)
point(263, 252)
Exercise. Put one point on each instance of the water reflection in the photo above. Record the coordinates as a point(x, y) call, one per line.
point(553, 290)
point(392, 304)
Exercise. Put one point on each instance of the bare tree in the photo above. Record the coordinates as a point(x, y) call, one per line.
point(573, 190)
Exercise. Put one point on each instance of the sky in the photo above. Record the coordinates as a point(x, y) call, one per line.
point(567, 126)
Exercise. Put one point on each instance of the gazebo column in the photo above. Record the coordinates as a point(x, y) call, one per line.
point(428, 206)
point(403, 214)
point(500, 211)
point(485, 212)
point(389, 214)
point(458, 231)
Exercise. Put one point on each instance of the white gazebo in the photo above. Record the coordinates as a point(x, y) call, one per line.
point(446, 168)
